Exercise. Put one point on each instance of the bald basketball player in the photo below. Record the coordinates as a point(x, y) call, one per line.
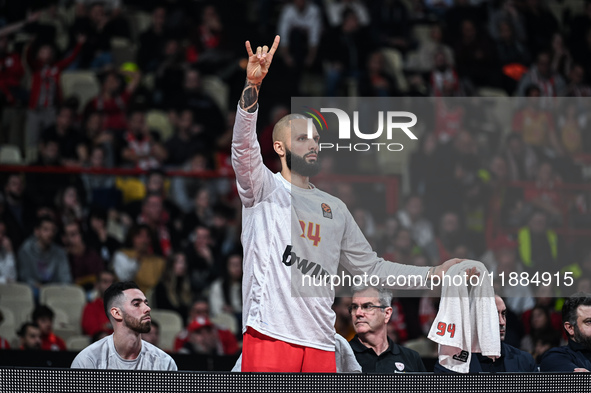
point(291, 229)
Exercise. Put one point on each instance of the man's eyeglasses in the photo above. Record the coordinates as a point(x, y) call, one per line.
point(365, 307)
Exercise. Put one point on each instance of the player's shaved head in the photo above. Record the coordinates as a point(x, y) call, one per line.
point(283, 126)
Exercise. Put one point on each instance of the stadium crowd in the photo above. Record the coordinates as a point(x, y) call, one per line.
point(496, 195)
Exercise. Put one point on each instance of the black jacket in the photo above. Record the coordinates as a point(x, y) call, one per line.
point(514, 361)
point(566, 358)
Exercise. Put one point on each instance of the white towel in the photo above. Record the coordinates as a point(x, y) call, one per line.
point(467, 320)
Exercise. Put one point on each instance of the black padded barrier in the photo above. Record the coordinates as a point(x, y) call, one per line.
point(40, 380)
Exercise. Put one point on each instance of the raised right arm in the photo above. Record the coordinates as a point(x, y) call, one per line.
point(251, 174)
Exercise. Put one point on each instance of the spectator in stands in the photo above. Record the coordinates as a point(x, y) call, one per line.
point(425, 55)
point(224, 232)
point(544, 195)
point(521, 158)
point(570, 125)
point(202, 212)
point(137, 261)
point(476, 56)
point(152, 41)
point(40, 260)
point(577, 86)
point(375, 81)
point(422, 164)
point(174, 292)
point(111, 7)
point(450, 235)
point(141, 147)
point(300, 27)
point(7, 260)
point(98, 237)
point(158, 220)
point(560, 58)
point(540, 327)
point(374, 350)
point(45, 87)
point(170, 72)
point(100, 189)
point(94, 22)
point(191, 95)
point(203, 262)
point(208, 46)
point(539, 245)
point(391, 24)
point(550, 83)
point(576, 355)
point(186, 141)
point(225, 295)
point(96, 135)
point(85, 264)
point(203, 339)
point(514, 56)
point(72, 147)
point(444, 80)
point(537, 125)
point(30, 336)
point(344, 52)
point(42, 188)
point(153, 336)
point(43, 316)
point(411, 217)
point(343, 322)
point(94, 320)
point(502, 258)
point(404, 247)
point(128, 311)
point(335, 11)
point(19, 212)
point(200, 312)
point(11, 74)
point(69, 206)
point(507, 14)
point(512, 360)
point(113, 100)
point(579, 27)
point(154, 184)
point(540, 25)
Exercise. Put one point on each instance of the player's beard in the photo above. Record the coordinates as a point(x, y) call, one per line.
point(137, 325)
point(299, 165)
point(582, 339)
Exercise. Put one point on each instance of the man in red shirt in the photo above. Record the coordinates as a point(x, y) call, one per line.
point(198, 313)
point(43, 316)
point(94, 319)
point(45, 87)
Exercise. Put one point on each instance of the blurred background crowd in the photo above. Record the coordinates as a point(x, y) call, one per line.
point(120, 114)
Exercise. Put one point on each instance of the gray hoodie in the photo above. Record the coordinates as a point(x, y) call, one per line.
point(42, 266)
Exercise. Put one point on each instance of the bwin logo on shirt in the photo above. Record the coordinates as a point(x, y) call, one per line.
point(344, 122)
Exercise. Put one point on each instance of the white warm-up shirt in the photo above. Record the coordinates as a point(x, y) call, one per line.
point(103, 355)
point(288, 231)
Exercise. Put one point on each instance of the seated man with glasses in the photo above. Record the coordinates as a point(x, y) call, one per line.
point(375, 352)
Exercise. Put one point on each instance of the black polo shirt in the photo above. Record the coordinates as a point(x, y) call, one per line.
point(395, 359)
